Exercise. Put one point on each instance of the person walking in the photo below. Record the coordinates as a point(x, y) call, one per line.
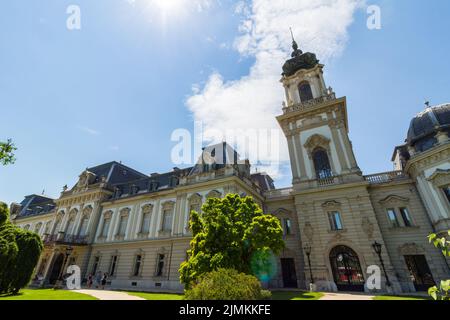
point(105, 277)
point(90, 281)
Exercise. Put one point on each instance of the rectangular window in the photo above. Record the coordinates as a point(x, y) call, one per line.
point(406, 217)
point(95, 266)
point(105, 228)
point(392, 216)
point(167, 220)
point(160, 265)
point(335, 220)
point(112, 268)
point(137, 265)
point(446, 191)
point(123, 225)
point(145, 223)
point(287, 226)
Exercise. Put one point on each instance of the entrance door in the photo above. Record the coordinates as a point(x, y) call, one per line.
point(56, 269)
point(289, 274)
point(346, 269)
point(420, 272)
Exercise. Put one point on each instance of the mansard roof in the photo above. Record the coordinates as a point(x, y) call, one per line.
point(36, 205)
point(115, 172)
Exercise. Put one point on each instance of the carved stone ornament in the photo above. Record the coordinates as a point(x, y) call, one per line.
point(367, 227)
point(410, 249)
point(440, 178)
point(84, 180)
point(309, 232)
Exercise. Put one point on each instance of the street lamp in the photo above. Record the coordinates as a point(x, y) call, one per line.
point(377, 248)
point(307, 249)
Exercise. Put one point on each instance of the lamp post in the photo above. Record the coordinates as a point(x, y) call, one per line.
point(308, 254)
point(59, 283)
point(377, 248)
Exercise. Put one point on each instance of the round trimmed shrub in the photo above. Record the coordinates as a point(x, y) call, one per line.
point(227, 284)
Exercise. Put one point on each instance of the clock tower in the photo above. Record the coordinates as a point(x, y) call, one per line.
point(315, 124)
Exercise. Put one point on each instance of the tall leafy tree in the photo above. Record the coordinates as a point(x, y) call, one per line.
point(231, 233)
point(19, 254)
point(7, 152)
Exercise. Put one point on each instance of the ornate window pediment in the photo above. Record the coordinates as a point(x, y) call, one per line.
point(214, 194)
point(394, 199)
point(87, 211)
point(440, 178)
point(195, 198)
point(331, 204)
point(125, 212)
point(108, 214)
point(315, 141)
point(168, 205)
point(281, 212)
point(410, 249)
point(148, 208)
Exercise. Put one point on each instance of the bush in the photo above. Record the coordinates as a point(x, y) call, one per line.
point(227, 284)
point(19, 254)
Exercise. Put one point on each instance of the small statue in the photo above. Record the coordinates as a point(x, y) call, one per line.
point(65, 188)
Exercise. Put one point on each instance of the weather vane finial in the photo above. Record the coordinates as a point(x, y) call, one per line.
point(297, 51)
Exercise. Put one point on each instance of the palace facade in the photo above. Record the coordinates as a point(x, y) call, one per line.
point(337, 221)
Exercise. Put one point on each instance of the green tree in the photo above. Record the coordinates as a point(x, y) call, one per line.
point(443, 292)
point(7, 152)
point(232, 233)
point(19, 254)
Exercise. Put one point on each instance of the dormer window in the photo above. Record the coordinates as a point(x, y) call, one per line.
point(305, 91)
point(321, 164)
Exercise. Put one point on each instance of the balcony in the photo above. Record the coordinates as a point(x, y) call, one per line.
point(386, 177)
point(309, 104)
point(65, 239)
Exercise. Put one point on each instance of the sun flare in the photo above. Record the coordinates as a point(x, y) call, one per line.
point(169, 6)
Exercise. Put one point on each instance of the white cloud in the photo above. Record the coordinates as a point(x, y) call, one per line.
point(89, 131)
point(253, 101)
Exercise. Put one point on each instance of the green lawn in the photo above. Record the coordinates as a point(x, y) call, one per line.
point(156, 296)
point(47, 294)
point(276, 295)
point(401, 298)
point(296, 295)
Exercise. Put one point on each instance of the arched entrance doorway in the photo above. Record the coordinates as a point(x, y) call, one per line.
point(56, 268)
point(347, 271)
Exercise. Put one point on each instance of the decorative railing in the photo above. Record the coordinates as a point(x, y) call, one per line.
point(309, 104)
point(385, 177)
point(62, 238)
point(325, 181)
point(278, 193)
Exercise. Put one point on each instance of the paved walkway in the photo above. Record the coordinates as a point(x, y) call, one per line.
point(345, 296)
point(109, 295)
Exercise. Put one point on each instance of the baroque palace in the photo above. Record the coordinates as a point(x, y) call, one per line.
point(337, 222)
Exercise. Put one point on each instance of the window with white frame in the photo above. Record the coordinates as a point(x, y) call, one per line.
point(146, 217)
point(113, 265)
point(406, 217)
point(335, 220)
point(38, 227)
point(287, 226)
point(137, 265)
point(84, 225)
point(392, 217)
point(160, 265)
point(123, 221)
point(167, 219)
point(446, 191)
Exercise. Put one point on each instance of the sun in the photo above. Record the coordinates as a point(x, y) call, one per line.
point(169, 6)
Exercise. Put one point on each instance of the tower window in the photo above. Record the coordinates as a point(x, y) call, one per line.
point(305, 91)
point(321, 164)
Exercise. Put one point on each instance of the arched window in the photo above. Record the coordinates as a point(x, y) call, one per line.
point(84, 225)
point(305, 91)
point(321, 164)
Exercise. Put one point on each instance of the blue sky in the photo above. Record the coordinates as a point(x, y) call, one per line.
point(117, 88)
